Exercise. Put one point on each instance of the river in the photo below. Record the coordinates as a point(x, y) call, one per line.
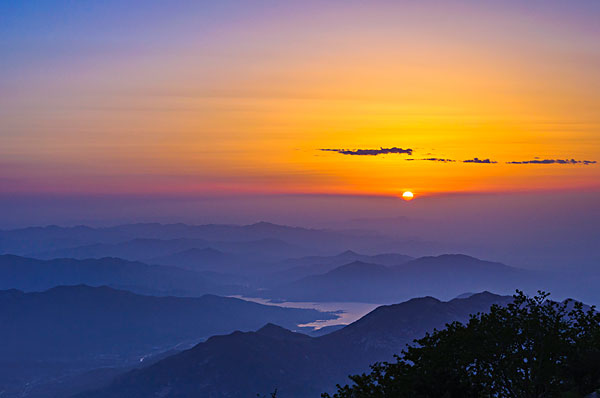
point(347, 312)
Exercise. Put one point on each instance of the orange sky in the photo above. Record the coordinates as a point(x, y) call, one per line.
point(243, 103)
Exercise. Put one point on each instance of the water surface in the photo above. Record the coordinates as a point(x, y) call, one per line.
point(347, 312)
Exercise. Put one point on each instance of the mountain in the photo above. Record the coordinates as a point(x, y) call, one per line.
point(150, 250)
point(223, 232)
point(346, 257)
point(38, 239)
point(449, 275)
point(387, 327)
point(83, 321)
point(198, 259)
point(449, 263)
point(297, 268)
point(41, 239)
point(444, 276)
point(356, 281)
point(33, 275)
point(71, 329)
point(246, 364)
point(323, 240)
point(51, 240)
point(138, 249)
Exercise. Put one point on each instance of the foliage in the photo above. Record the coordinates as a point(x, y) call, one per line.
point(531, 348)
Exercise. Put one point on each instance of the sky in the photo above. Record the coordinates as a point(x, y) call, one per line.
point(235, 98)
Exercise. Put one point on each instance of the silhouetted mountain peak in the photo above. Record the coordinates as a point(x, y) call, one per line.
point(278, 332)
point(481, 297)
point(348, 253)
point(427, 300)
point(485, 293)
point(270, 327)
point(416, 304)
point(457, 256)
point(264, 224)
point(456, 261)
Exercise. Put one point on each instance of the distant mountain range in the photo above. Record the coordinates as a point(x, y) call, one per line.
point(30, 274)
point(346, 257)
point(152, 250)
point(75, 328)
point(297, 268)
point(245, 364)
point(443, 276)
point(50, 241)
point(30, 240)
point(258, 256)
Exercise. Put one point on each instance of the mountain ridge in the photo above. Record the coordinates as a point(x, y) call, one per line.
point(31, 274)
point(245, 364)
point(446, 275)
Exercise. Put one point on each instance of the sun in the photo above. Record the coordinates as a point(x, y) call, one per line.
point(407, 195)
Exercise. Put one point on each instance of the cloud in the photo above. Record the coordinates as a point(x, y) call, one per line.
point(370, 152)
point(554, 161)
point(434, 160)
point(477, 160)
point(439, 160)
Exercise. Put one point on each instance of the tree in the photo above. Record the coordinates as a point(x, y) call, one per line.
point(531, 348)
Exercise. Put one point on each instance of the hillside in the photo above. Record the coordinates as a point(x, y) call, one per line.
point(73, 336)
point(88, 321)
point(244, 364)
point(30, 274)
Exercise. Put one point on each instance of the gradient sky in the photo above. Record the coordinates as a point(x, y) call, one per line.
point(232, 97)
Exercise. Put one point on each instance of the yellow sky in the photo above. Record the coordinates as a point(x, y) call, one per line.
point(247, 108)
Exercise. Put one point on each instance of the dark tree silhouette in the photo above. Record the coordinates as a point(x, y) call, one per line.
point(531, 348)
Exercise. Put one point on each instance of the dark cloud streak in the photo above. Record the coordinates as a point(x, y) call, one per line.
point(370, 152)
point(554, 161)
point(476, 160)
point(480, 161)
point(439, 160)
point(434, 160)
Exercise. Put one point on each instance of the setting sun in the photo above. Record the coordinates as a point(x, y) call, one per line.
point(407, 195)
